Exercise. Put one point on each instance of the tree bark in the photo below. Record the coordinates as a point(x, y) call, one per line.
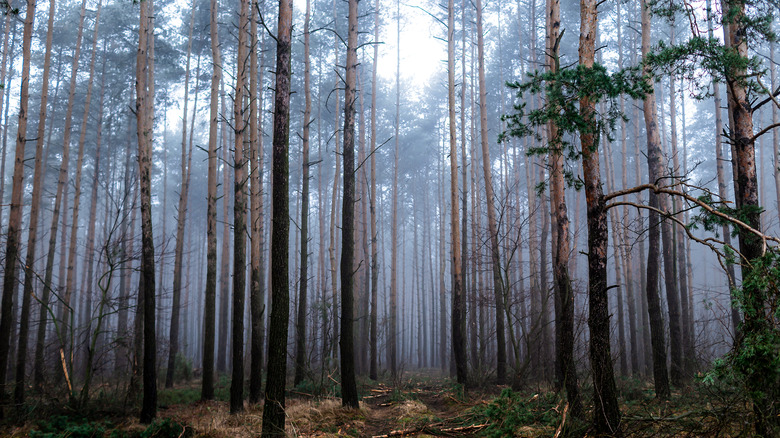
point(458, 313)
point(35, 207)
point(209, 311)
point(349, 397)
point(660, 376)
point(145, 124)
point(239, 216)
point(300, 323)
point(393, 326)
point(186, 166)
point(606, 411)
point(564, 332)
point(373, 335)
point(257, 291)
point(498, 282)
point(15, 214)
point(273, 413)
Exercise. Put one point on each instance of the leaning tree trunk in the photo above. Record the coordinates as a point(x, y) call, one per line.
point(606, 415)
point(273, 412)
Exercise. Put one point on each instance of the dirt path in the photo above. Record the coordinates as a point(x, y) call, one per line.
point(424, 408)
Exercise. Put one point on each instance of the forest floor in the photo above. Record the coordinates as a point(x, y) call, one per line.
point(422, 404)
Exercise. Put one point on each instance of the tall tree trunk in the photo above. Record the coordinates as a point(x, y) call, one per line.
point(239, 216)
point(224, 270)
point(564, 332)
point(35, 206)
point(670, 276)
point(373, 335)
point(273, 413)
point(393, 327)
point(625, 251)
point(300, 323)
point(767, 420)
point(15, 213)
point(209, 329)
point(67, 322)
point(458, 313)
point(349, 397)
point(145, 124)
point(660, 376)
point(186, 161)
point(61, 188)
point(678, 244)
point(607, 411)
point(498, 282)
point(257, 291)
point(90, 249)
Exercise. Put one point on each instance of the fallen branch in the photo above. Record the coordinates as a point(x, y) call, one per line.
point(563, 421)
point(433, 431)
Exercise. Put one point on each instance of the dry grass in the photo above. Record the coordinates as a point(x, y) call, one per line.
point(324, 418)
point(212, 419)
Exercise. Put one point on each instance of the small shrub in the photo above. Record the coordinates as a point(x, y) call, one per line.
point(166, 428)
point(64, 426)
point(510, 411)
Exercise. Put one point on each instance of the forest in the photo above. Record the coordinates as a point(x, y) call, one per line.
point(390, 218)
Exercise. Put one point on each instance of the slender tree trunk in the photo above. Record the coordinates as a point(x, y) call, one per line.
point(58, 199)
point(349, 397)
point(224, 270)
point(67, 321)
point(15, 214)
point(607, 411)
point(239, 217)
point(207, 384)
point(186, 161)
point(564, 332)
point(393, 327)
point(145, 125)
point(373, 335)
point(300, 323)
point(90, 249)
point(458, 311)
point(273, 413)
point(35, 206)
point(498, 282)
point(660, 376)
point(256, 293)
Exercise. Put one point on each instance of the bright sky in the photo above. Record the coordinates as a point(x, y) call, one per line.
point(421, 53)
